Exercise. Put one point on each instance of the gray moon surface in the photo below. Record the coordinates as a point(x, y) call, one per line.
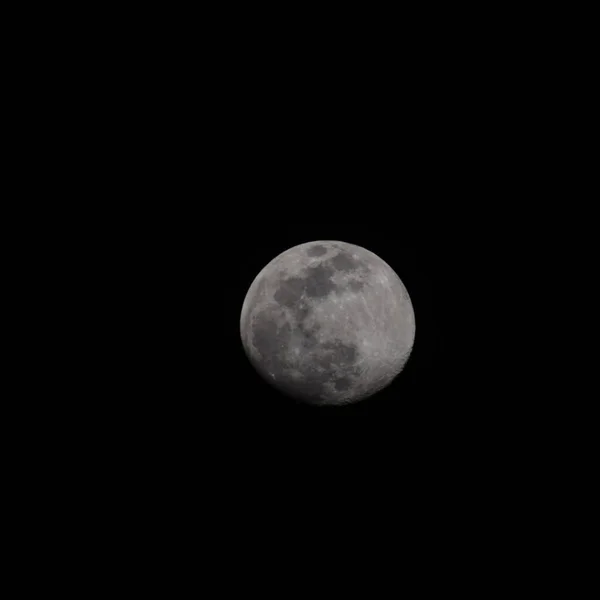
point(328, 323)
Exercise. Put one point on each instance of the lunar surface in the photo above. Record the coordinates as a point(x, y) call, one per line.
point(328, 323)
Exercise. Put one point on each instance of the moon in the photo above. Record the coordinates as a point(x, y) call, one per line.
point(328, 323)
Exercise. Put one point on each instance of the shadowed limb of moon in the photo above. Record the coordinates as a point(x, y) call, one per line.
point(328, 323)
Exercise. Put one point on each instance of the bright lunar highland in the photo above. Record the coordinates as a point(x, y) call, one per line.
point(328, 323)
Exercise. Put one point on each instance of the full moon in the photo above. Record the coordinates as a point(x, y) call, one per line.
point(328, 323)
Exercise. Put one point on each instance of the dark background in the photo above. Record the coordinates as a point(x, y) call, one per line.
point(200, 177)
point(191, 164)
point(209, 194)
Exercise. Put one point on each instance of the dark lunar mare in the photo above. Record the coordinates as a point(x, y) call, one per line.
point(337, 353)
point(301, 312)
point(289, 291)
point(313, 386)
point(342, 384)
point(318, 283)
point(309, 336)
point(344, 261)
point(316, 251)
point(270, 340)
